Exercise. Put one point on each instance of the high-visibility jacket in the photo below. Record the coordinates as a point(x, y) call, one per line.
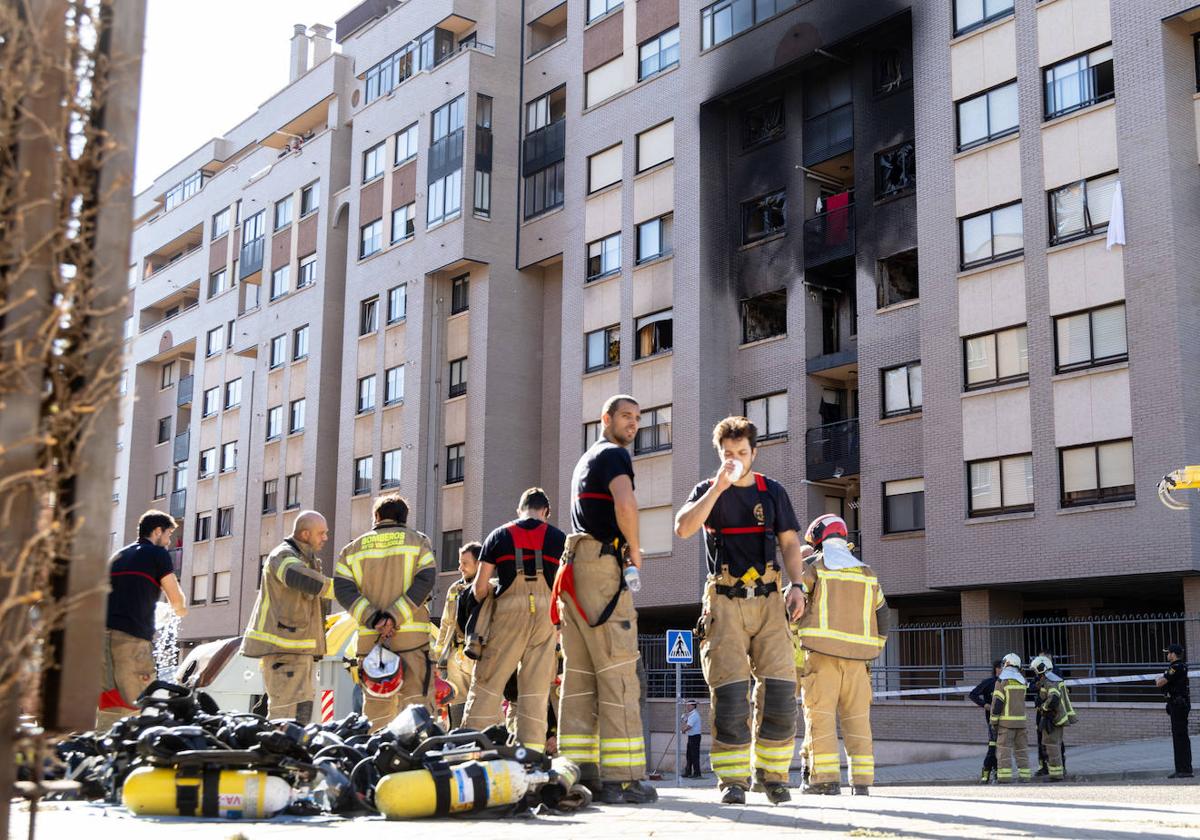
point(1055, 700)
point(1008, 704)
point(388, 571)
point(840, 617)
point(448, 636)
point(287, 615)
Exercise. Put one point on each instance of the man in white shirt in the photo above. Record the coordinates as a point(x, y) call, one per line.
point(690, 726)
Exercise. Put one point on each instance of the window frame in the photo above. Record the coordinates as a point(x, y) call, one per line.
point(457, 377)
point(224, 522)
point(207, 457)
point(290, 502)
point(612, 335)
point(402, 289)
point(994, 258)
point(745, 303)
point(232, 396)
point(275, 292)
point(456, 453)
point(368, 315)
point(415, 143)
point(610, 7)
point(991, 135)
point(884, 414)
point(998, 460)
point(307, 268)
point(301, 404)
point(373, 165)
point(657, 41)
point(460, 294)
point(661, 351)
point(161, 485)
point(203, 528)
point(361, 406)
point(998, 380)
point(310, 198)
point(270, 496)
point(1047, 114)
point(587, 429)
point(300, 343)
point(370, 238)
point(388, 398)
point(218, 283)
point(750, 206)
point(408, 215)
point(364, 484)
point(277, 359)
point(225, 465)
point(665, 221)
point(767, 434)
point(957, 30)
point(882, 271)
point(1088, 229)
point(286, 205)
point(1092, 361)
point(210, 401)
point(386, 483)
point(1099, 498)
point(220, 220)
point(884, 524)
point(209, 352)
point(274, 430)
point(163, 432)
point(601, 243)
point(657, 446)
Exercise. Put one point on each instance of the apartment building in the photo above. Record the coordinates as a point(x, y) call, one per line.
point(880, 229)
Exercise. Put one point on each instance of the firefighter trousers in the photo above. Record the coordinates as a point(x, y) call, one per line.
point(290, 683)
point(1012, 742)
point(838, 689)
point(748, 639)
point(417, 688)
point(521, 639)
point(128, 669)
point(600, 718)
point(1052, 740)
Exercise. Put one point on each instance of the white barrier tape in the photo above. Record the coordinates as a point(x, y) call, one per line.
point(963, 689)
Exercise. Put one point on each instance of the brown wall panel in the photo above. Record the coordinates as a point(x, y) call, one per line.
point(604, 41)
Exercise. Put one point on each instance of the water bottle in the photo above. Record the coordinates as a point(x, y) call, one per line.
point(633, 578)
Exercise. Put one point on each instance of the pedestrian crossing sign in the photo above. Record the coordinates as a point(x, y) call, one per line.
point(679, 647)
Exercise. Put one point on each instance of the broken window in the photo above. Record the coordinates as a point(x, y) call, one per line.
point(896, 279)
point(895, 170)
point(762, 123)
point(893, 70)
point(764, 316)
point(764, 216)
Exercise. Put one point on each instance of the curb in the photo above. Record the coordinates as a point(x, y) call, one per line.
point(1122, 776)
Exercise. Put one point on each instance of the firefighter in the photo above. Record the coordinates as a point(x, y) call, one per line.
point(600, 720)
point(743, 628)
point(524, 554)
point(842, 629)
point(453, 665)
point(286, 631)
point(1057, 712)
point(384, 579)
point(981, 696)
point(1008, 717)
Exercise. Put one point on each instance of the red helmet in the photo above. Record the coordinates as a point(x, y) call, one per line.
point(443, 692)
point(381, 673)
point(825, 526)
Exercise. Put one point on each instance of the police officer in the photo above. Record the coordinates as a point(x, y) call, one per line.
point(690, 728)
point(981, 696)
point(1056, 711)
point(453, 665)
point(1009, 719)
point(744, 628)
point(384, 579)
point(137, 575)
point(286, 631)
point(600, 720)
point(842, 629)
point(1174, 684)
point(524, 554)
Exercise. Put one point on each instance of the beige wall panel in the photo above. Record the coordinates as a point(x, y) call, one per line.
point(360, 515)
point(1091, 408)
point(1196, 108)
point(992, 299)
point(452, 511)
point(366, 360)
point(214, 368)
point(205, 501)
point(655, 146)
point(1079, 147)
point(229, 431)
point(602, 215)
point(656, 529)
point(655, 16)
point(297, 376)
point(988, 177)
point(221, 556)
point(601, 305)
point(595, 390)
point(208, 433)
point(458, 336)
point(275, 386)
point(652, 480)
point(983, 60)
point(364, 439)
point(1085, 276)
point(605, 81)
point(996, 424)
point(393, 431)
point(652, 382)
point(1068, 27)
point(393, 346)
point(295, 460)
point(370, 203)
point(289, 519)
point(654, 194)
point(229, 490)
point(270, 461)
point(404, 185)
point(271, 534)
point(653, 287)
point(455, 422)
point(604, 41)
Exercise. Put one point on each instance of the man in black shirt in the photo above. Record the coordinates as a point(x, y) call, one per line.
point(743, 630)
point(524, 555)
point(137, 574)
point(981, 696)
point(600, 721)
point(1174, 684)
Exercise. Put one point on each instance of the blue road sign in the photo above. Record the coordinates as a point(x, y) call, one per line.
point(679, 647)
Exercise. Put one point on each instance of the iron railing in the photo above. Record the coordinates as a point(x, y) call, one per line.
point(250, 260)
point(178, 503)
point(544, 146)
point(829, 134)
point(660, 677)
point(183, 444)
point(183, 391)
point(829, 236)
point(1079, 90)
point(830, 448)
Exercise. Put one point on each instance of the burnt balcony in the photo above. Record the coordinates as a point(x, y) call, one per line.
point(250, 258)
point(829, 134)
point(183, 443)
point(178, 503)
point(831, 451)
point(545, 146)
point(183, 391)
point(829, 236)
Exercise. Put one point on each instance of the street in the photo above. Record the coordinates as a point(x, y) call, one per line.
point(1152, 809)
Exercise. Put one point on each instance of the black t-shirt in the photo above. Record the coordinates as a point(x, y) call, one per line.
point(1177, 687)
point(592, 509)
point(499, 550)
point(751, 513)
point(135, 574)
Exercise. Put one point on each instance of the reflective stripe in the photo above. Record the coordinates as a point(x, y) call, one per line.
point(281, 569)
point(279, 641)
point(622, 743)
point(342, 570)
point(426, 560)
point(765, 750)
point(622, 760)
point(825, 633)
point(359, 608)
point(579, 739)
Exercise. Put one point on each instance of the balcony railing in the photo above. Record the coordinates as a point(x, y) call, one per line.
point(250, 260)
point(1079, 90)
point(831, 451)
point(829, 236)
point(446, 155)
point(153, 267)
point(828, 135)
point(183, 443)
point(544, 146)
point(178, 503)
point(183, 391)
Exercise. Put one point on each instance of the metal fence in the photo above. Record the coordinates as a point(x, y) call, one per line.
point(660, 677)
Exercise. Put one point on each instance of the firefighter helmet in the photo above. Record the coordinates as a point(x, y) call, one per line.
point(825, 526)
point(1041, 664)
point(381, 672)
point(1011, 660)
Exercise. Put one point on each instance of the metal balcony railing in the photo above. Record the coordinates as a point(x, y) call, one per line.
point(250, 260)
point(183, 390)
point(178, 503)
point(831, 451)
point(829, 236)
point(1079, 90)
point(446, 155)
point(829, 134)
point(544, 146)
point(183, 443)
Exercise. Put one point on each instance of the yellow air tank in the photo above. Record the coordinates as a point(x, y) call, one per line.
point(168, 792)
point(471, 786)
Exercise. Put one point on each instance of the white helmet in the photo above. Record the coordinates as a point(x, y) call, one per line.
point(1041, 664)
point(1011, 660)
point(382, 675)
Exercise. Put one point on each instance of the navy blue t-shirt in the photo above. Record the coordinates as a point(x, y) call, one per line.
point(135, 574)
point(592, 508)
point(745, 509)
point(498, 549)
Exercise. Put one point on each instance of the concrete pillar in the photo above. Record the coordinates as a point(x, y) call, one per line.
point(985, 636)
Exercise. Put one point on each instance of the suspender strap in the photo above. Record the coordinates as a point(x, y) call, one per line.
point(767, 528)
point(743, 592)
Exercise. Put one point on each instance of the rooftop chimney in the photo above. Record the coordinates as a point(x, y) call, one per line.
point(299, 65)
point(322, 45)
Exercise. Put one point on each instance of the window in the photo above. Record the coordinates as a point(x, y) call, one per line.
point(296, 416)
point(218, 282)
point(1079, 82)
point(597, 8)
point(1081, 208)
point(895, 171)
point(654, 334)
point(404, 222)
point(991, 235)
point(1096, 473)
point(762, 123)
point(603, 348)
point(181, 476)
point(996, 357)
point(397, 303)
point(210, 402)
point(604, 168)
point(214, 341)
point(447, 119)
point(310, 198)
point(544, 189)
point(270, 499)
point(455, 462)
point(654, 431)
point(989, 115)
point(164, 429)
point(452, 541)
point(891, 69)
point(221, 583)
point(203, 526)
point(300, 343)
point(220, 223)
point(1088, 339)
point(224, 522)
point(368, 316)
point(654, 238)
point(460, 294)
point(283, 212)
point(308, 271)
point(366, 394)
point(902, 390)
point(160, 485)
point(184, 190)
point(896, 279)
point(445, 198)
point(1000, 485)
point(250, 295)
point(604, 257)
point(721, 21)
point(364, 469)
point(458, 377)
point(406, 144)
point(482, 205)
point(904, 506)
point(233, 393)
point(769, 414)
point(548, 30)
point(659, 53)
point(764, 316)
point(291, 493)
point(274, 422)
point(370, 239)
point(591, 434)
point(199, 589)
point(971, 14)
point(281, 278)
point(393, 385)
point(229, 456)
point(764, 216)
point(127, 328)
point(229, 333)
point(167, 375)
point(278, 351)
point(483, 194)
point(373, 162)
point(391, 469)
point(208, 463)
point(546, 109)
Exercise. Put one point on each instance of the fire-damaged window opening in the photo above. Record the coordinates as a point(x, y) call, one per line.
point(896, 279)
point(764, 216)
point(762, 123)
point(895, 171)
point(764, 316)
point(892, 70)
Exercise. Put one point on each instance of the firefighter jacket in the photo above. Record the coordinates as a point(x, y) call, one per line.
point(840, 618)
point(449, 636)
point(388, 572)
point(1054, 701)
point(288, 615)
point(1008, 703)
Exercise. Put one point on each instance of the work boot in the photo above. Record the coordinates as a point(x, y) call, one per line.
point(758, 786)
point(861, 790)
point(734, 795)
point(824, 789)
point(632, 793)
point(1042, 771)
point(1180, 775)
point(778, 793)
point(983, 777)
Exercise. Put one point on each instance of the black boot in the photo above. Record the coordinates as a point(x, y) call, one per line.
point(823, 789)
point(632, 793)
point(734, 795)
point(778, 793)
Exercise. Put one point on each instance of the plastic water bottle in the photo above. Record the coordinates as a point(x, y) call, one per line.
point(633, 578)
